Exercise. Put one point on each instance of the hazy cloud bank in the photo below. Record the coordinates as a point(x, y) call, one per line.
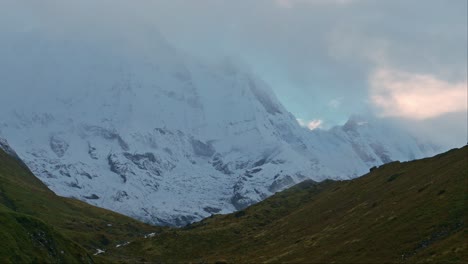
point(325, 59)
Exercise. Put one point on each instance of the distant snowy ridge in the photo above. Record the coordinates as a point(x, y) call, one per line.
point(164, 138)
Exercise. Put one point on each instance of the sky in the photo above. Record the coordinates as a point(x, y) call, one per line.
point(402, 60)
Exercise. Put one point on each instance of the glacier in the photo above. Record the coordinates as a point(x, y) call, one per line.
point(151, 132)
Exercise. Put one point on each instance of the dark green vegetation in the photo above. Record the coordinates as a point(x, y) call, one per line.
point(399, 213)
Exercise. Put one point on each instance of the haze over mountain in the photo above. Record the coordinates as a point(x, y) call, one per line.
point(211, 131)
point(148, 131)
point(104, 107)
point(325, 59)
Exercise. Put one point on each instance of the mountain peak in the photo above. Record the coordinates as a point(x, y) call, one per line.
point(162, 136)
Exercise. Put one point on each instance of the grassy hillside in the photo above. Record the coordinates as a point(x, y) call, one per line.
point(399, 213)
point(38, 226)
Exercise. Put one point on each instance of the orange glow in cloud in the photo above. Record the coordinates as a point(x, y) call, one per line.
point(415, 96)
point(313, 124)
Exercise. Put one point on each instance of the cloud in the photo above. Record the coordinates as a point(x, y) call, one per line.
point(291, 3)
point(415, 96)
point(448, 130)
point(335, 103)
point(301, 122)
point(313, 124)
point(310, 51)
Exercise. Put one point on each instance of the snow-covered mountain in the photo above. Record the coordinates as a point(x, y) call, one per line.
point(152, 133)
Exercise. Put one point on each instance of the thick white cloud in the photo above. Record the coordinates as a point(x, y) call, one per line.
point(318, 55)
point(416, 96)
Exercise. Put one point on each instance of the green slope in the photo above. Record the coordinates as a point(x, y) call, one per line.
point(399, 213)
point(38, 226)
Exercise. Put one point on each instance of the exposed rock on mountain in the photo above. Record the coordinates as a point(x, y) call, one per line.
point(159, 136)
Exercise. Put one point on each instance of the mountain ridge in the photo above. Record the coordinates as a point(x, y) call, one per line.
point(405, 212)
point(159, 136)
point(400, 212)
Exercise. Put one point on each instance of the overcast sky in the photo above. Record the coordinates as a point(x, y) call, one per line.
point(325, 59)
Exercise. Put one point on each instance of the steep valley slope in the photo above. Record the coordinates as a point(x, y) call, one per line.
point(411, 212)
point(398, 213)
point(37, 226)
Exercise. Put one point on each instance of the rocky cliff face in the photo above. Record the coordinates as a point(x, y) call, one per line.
point(161, 137)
